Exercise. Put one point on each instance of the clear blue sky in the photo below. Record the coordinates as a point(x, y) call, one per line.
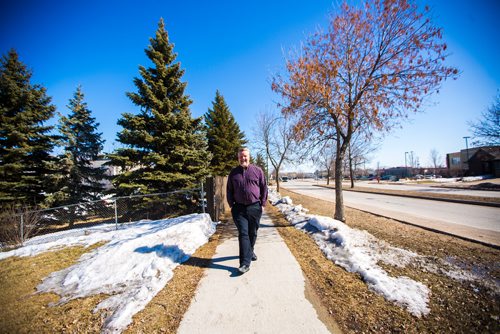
point(235, 47)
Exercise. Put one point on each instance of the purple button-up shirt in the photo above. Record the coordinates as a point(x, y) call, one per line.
point(246, 186)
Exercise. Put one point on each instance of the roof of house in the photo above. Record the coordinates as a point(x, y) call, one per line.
point(493, 152)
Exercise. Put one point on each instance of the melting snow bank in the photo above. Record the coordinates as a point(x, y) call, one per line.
point(132, 267)
point(360, 252)
point(354, 251)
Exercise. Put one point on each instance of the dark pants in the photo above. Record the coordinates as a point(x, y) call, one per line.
point(247, 219)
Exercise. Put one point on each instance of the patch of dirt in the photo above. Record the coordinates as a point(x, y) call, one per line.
point(456, 306)
point(478, 184)
point(486, 186)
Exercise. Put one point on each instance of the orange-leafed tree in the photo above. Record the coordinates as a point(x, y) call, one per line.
point(373, 66)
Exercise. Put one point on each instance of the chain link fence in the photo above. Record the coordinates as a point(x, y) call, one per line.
point(18, 225)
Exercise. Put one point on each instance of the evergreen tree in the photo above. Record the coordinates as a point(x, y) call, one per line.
point(165, 148)
point(224, 136)
point(26, 167)
point(261, 162)
point(82, 144)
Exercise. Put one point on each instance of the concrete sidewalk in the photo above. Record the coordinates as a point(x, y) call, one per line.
point(270, 298)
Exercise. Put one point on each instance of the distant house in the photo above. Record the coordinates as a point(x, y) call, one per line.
point(111, 171)
point(486, 160)
point(454, 164)
point(474, 161)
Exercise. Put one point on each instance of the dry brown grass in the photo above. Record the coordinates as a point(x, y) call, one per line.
point(25, 311)
point(455, 306)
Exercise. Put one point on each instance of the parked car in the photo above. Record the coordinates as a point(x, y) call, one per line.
point(390, 178)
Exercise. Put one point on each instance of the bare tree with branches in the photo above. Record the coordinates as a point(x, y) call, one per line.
point(274, 133)
point(324, 158)
point(373, 66)
point(486, 130)
point(414, 161)
point(436, 160)
point(359, 149)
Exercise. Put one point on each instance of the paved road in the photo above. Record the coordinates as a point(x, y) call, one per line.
point(424, 188)
point(469, 221)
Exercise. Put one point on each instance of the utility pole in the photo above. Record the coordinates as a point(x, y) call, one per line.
point(467, 150)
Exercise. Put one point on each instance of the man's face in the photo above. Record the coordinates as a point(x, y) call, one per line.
point(244, 159)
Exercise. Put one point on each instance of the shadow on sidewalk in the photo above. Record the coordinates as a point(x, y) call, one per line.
point(214, 264)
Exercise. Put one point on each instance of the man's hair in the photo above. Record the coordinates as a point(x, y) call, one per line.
point(243, 149)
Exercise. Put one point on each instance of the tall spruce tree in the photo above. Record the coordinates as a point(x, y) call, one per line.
point(224, 136)
point(82, 144)
point(165, 148)
point(26, 166)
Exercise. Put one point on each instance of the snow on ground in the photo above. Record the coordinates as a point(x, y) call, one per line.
point(460, 180)
point(360, 252)
point(457, 179)
point(474, 178)
point(132, 267)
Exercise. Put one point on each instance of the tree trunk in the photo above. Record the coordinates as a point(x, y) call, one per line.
point(350, 168)
point(277, 180)
point(339, 198)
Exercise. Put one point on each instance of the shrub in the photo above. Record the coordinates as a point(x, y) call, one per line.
point(17, 224)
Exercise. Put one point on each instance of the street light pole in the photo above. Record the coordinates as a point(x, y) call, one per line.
point(411, 161)
point(406, 166)
point(467, 150)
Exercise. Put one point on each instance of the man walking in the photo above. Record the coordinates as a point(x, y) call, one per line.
point(246, 195)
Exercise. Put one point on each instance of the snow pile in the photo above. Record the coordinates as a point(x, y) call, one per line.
point(358, 251)
point(354, 251)
point(447, 180)
point(460, 179)
point(444, 180)
point(474, 178)
point(132, 267)
point(54, 241)
point(457, 179)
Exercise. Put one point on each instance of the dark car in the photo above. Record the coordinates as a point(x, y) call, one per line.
point(390, 178)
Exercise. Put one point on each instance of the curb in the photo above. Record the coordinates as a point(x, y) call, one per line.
point(484, 243)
